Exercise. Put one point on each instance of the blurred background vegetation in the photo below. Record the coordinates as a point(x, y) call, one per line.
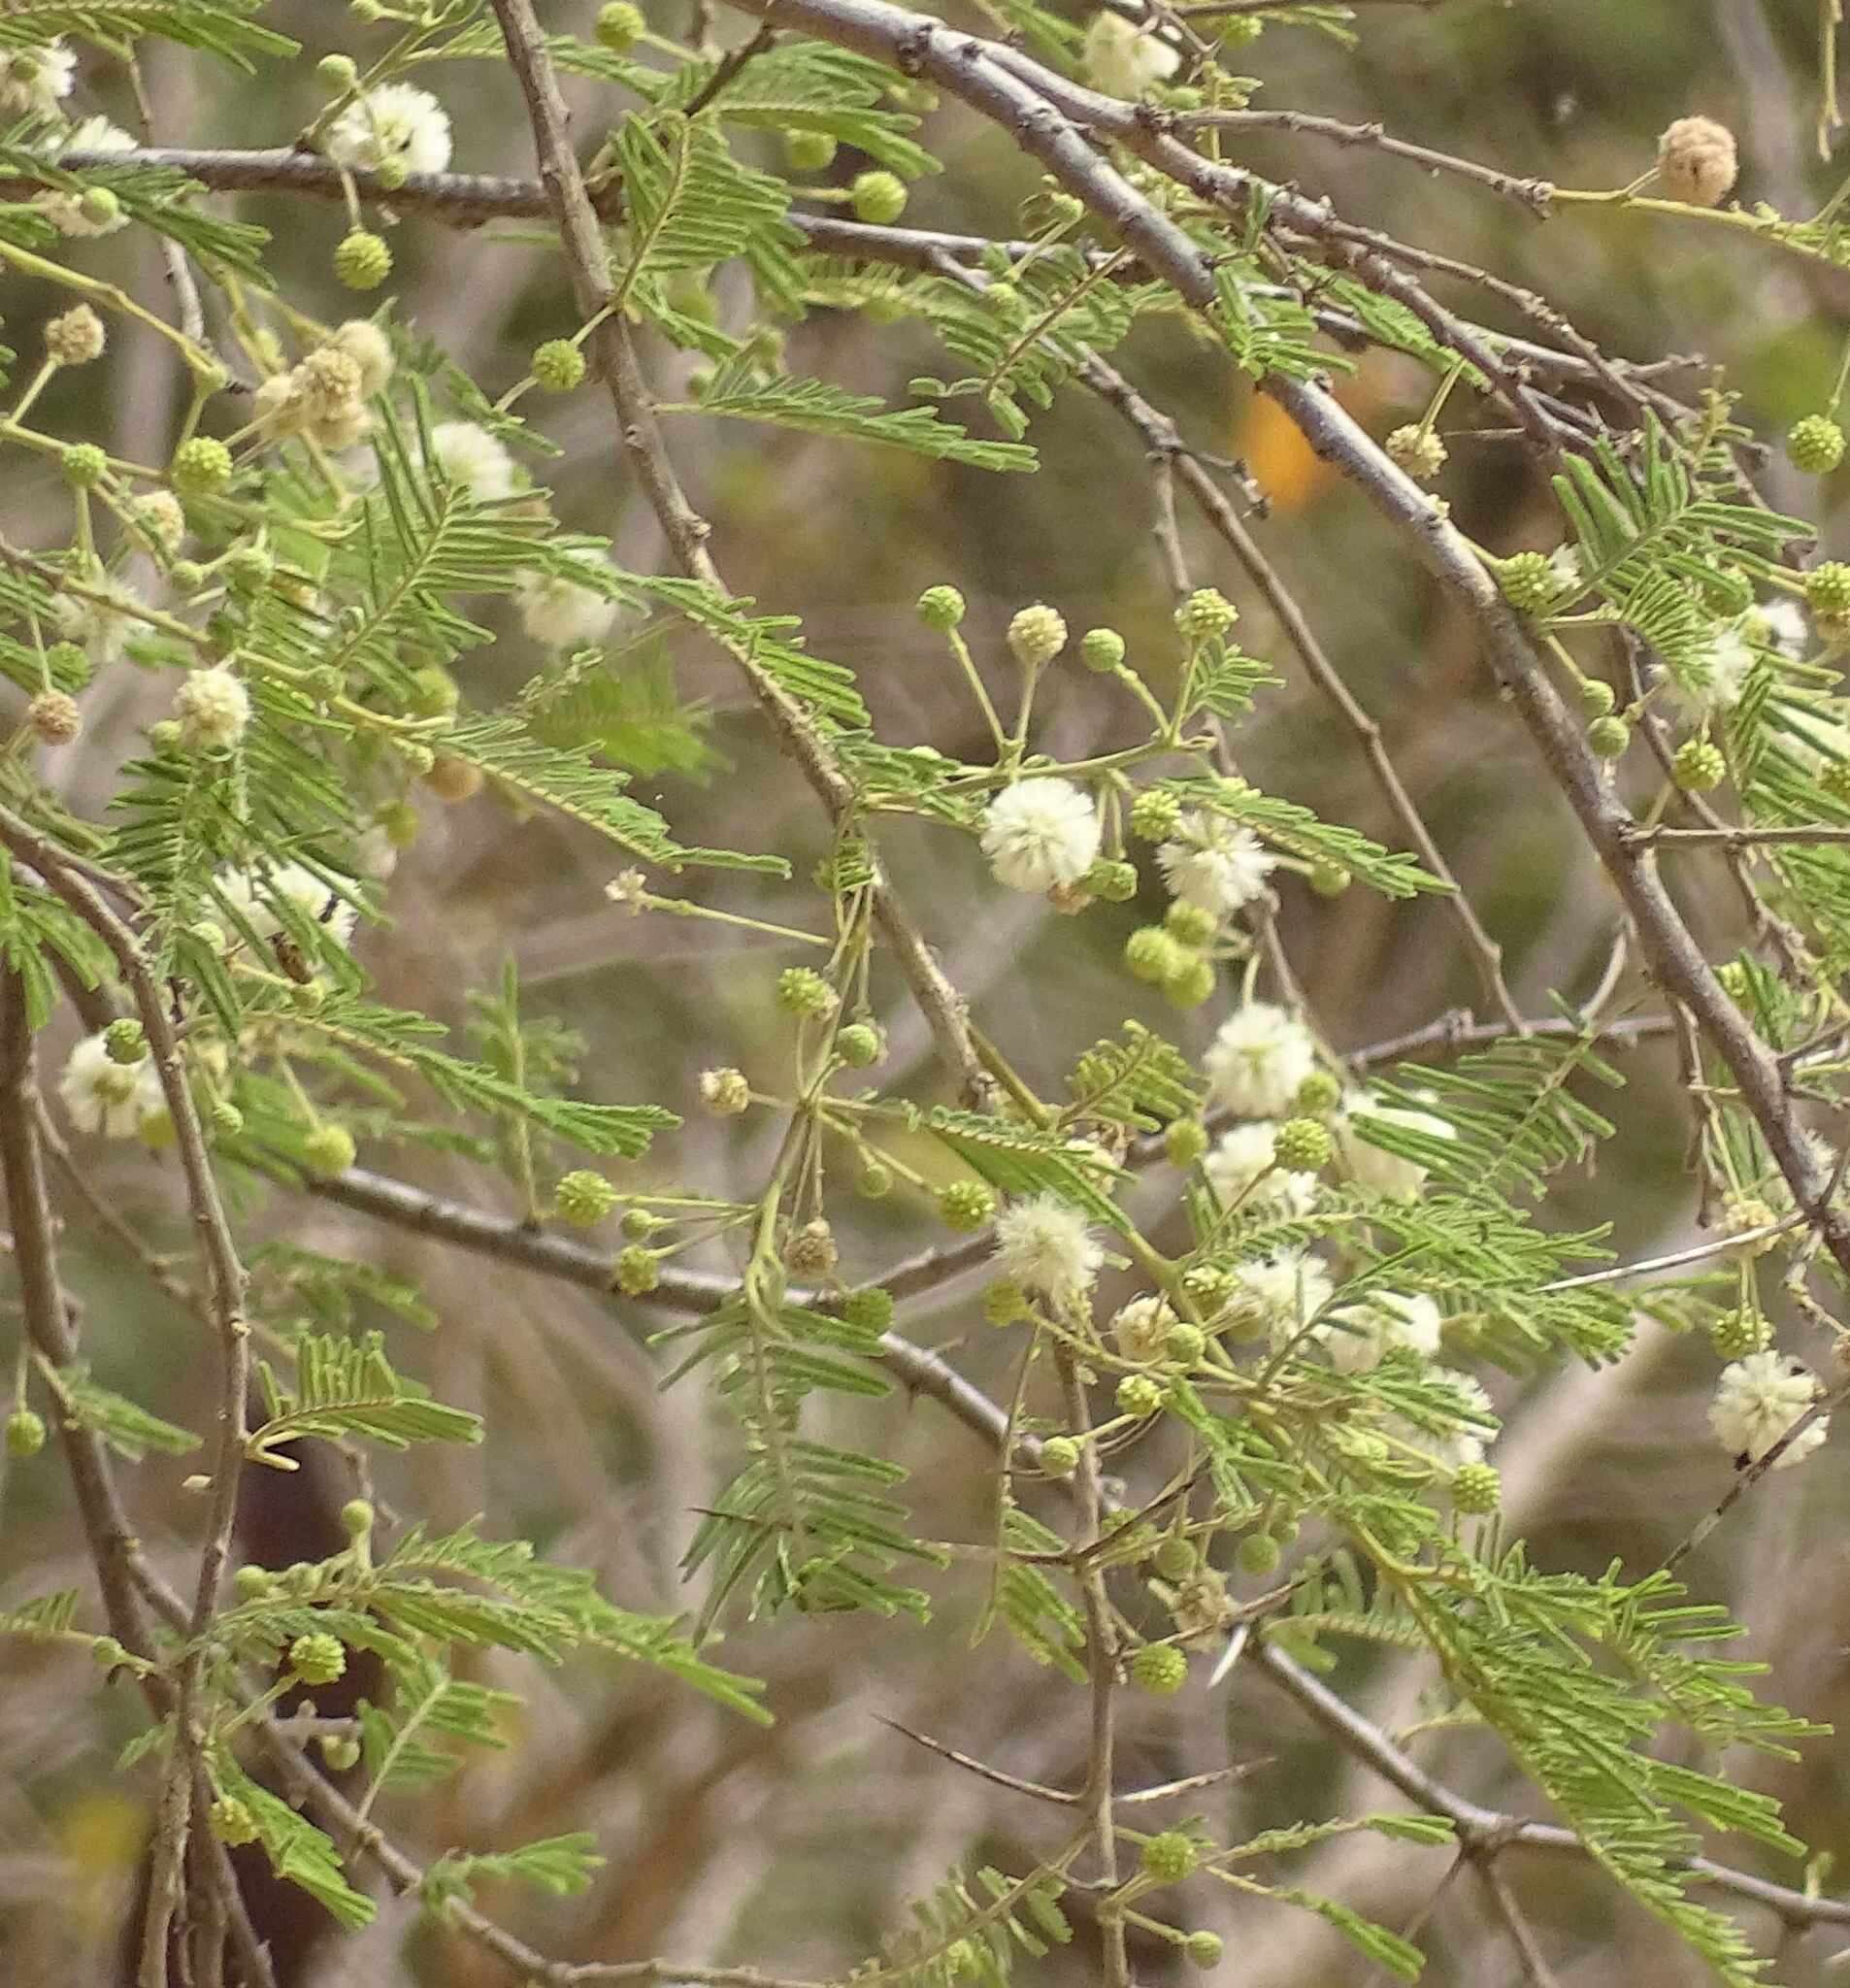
point(795, 1847)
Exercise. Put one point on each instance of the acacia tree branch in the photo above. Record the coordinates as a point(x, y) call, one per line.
point(224, 1283)
point(1486, 1831)
point(1038, 107)
point(588, 263)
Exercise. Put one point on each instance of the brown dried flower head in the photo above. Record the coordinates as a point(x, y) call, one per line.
point(1697, 161)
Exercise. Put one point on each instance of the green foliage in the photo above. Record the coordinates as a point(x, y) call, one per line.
point(129, 1429)
point(563, 1866)
point(223, 29)
point(814, 406)
point(344, 1387)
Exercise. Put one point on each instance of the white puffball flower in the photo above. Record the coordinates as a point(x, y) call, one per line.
point(1241, 1171)
point(1569, 576)
point(213, 708)
point(1373, 1167)
point(1214, 865)
point(254, 895)
point(376, 854)
point(1044, 1245)
point(1455, 1447)
point(558, 611)
point(1782, 626)
point(370, 350)
point(1275, 1297)
point(1258, 1059)
point(1362, 1335)
point(1121, 58)
point(1757, 1400)
point(99, 626)
point(395, 122)
point(102, 1095)
point(33, 79)
point(1140, 1329)
point(469, 457)
point(1041, 834)
point(1718, 676)
point(160, 514)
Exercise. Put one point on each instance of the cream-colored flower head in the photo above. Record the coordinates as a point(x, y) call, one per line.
point(1041, 835)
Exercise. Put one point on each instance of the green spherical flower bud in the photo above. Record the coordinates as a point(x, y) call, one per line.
point(941, 606)
point(869, 1309)
point(357, 1518)
point(341, 1751)
point(1301, 1146)
point(1160, 1669)
point(1206, 613)
point(1184, 1142)
point(1596, 697)
point(84, 465)
point(638, 1271)
point(1475, 1489)
point(877, 198)
point(1203, 1948)
point(227, 1122)
point(1190, 985)
point(247, 566)
point(399, 821)
point(1151, 954)
point(1059, 1456)
point(1037, 635)
point(337, 72)
point(318, 1658)
point(1329, 879)
point(1102, 649)
point(1169, 1858)
point(860, 1044)
point(803, 991)
point(309, 997)
point(1138, 1395)
point(1530, 580)
point(362, 260)
point(1155, 815)
point(1828, 592)
point(1258, 1553)
point(1699, 766)
point(557, 365)
point(1184, 1343)
point(620, 26)
point(1737, 1333)
point(1175, 1558)
point(126, 1042)
point(1114, 882)
point(1734, 976)
point(966, 1206)
point(1318, 1092)
point(187, 576)
point(1815, 445)
point(584, 1197)
point(232, 1821)
point(1609, 737)
point(1834, 780)
point(252, 1583)
point(434, 692)
point(328, 1149)
point(1189, 924)
point(809, 152)
point(875, 1181)
point(25, 1433)
point(1004, 1302)
point(100, 205)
